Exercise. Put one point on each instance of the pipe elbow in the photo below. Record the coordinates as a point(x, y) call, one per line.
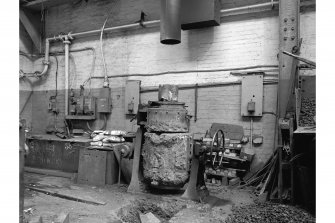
point(44, 71)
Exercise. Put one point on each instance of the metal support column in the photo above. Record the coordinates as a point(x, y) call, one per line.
point(289, 12)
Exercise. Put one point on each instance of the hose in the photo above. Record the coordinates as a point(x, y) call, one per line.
point(103, 126)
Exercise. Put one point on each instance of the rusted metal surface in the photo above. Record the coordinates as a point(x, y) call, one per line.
point(166, 159)
point(288, 41)
point(168, 92)
point(52, 154)
point(168, 118)
point(92, 167)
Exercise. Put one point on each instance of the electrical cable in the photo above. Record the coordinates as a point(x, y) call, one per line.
point(74, 68)
point(103, 126)
point(102, 52)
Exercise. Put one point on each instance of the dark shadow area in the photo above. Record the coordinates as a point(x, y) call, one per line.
point(216, 202)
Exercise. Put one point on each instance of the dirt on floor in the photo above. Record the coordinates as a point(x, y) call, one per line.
point(114, 204)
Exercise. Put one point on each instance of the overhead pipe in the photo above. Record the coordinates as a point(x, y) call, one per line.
point(205, 85)
point(154, 23)
point(192, 71)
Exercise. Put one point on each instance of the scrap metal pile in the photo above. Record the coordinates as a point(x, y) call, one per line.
point(307, 113)
point(268, 212)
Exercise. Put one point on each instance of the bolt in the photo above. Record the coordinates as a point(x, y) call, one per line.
point(285, 38)
point(292, 37)
point(285, 20)
point(285, 29)
point(292, 19)
point(292, 28)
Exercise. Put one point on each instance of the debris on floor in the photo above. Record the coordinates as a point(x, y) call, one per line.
point(268, 212)
point(149, 218)
point(163, 210)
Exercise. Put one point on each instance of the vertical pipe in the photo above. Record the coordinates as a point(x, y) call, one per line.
point(66, 45)
point(196, 103)
point(251, 132)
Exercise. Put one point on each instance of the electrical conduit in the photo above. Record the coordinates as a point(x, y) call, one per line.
point(66, 46)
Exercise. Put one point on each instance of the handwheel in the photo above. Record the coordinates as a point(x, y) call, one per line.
point(216, 146)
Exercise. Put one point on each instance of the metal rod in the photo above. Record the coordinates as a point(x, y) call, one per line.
point(300, 58)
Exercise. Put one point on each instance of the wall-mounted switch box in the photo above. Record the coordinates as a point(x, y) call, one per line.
point(89, 106)
point(132, 96)
point(104, 105)
point(252, 95)
point(80, 105)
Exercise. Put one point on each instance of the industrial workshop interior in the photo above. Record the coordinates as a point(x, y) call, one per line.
point(176, 111)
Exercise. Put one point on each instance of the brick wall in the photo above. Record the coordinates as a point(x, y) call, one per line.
point(26, 65)
point(239, 41)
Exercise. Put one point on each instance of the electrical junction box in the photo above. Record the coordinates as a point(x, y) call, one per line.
point(252, 95)
point(132, 96)
point(80, 105)
point(104, 105)
point(89, 105)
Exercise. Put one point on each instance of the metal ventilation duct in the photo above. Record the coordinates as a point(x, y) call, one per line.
point(170, 21)
point(200, 14)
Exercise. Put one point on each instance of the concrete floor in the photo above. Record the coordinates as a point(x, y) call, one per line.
point(215, 209)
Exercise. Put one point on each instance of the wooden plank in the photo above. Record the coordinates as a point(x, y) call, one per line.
point(56, 173)
point(134, 186)
point(32, 30)
point(64, 196)
point(37, 4)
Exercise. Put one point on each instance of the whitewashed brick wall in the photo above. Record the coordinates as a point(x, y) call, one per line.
point(235, 43)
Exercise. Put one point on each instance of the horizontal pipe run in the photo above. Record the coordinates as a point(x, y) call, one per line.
point(191, 71)
point(204, 85)
point(248, 9)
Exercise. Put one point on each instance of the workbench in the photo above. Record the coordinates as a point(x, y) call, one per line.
point(51, 152)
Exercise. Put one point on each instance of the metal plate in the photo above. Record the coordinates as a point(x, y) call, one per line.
point(71, 156)
point(92, 167)
point(252, 90)
point(132, 95)
point(167, 120)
